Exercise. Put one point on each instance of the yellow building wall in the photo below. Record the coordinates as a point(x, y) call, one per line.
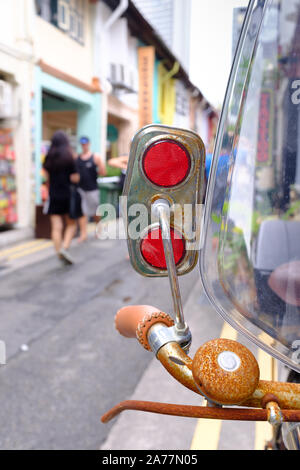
point(166, 96)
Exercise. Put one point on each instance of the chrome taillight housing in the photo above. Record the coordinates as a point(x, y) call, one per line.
point(168, 164)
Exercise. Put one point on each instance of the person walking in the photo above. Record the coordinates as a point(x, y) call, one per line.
point(89, 166)
point(60, 172)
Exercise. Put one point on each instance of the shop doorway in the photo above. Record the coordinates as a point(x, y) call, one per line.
point(59, 113)
point(119, 135)
point(112, 150)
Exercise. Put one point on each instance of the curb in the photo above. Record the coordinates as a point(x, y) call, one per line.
point(10, 237)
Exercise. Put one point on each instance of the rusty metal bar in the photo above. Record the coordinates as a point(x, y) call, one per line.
point(288, 394)
point(188, 411)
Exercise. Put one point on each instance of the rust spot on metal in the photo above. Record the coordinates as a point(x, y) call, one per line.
point(182, 374)
point(288, 394)
point(221, 385)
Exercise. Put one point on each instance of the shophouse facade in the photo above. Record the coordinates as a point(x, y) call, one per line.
point(80, 65)
point(67, 95)
point(155, 83)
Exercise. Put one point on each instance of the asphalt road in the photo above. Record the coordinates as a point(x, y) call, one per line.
point(74, 366)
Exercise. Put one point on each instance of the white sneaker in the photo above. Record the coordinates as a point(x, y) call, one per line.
point(65, 256)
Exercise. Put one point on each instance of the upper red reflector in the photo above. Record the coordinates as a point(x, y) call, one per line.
point(152, 248)
point(166, 163)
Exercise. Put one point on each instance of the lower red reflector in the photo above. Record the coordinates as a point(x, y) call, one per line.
point(152, 248)
point(166, 163)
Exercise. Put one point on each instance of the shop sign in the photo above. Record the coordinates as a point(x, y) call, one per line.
point(146, 57)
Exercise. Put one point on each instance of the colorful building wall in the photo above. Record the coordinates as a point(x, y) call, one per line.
point(57, 48)
point(66, 94)
point(86, 104)
point(16, 70)
point(166, 96)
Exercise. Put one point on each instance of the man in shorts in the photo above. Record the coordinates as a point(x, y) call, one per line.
point(89, 166)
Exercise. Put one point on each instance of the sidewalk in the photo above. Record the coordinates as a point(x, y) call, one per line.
point(10, 237)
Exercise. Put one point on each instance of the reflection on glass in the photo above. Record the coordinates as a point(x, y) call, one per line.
point(251, 257)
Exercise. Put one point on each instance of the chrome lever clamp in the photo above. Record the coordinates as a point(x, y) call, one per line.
point(159, 335)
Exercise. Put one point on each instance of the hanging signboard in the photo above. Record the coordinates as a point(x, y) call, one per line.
point(146, 57)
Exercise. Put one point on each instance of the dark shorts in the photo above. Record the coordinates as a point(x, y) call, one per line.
point(59, 206)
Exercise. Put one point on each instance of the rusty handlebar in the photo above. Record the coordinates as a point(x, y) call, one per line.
point(238, 386)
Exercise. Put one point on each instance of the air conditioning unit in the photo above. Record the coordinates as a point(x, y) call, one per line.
point(131, 78)
point(122, 76)
point(117, 75)
point(6, 100)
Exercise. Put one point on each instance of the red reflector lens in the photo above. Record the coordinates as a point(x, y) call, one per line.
point(166, 163)
point(153, 250)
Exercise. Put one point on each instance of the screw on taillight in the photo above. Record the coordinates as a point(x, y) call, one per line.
point(166, 163)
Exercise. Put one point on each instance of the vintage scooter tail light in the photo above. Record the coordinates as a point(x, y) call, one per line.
point(165, 164)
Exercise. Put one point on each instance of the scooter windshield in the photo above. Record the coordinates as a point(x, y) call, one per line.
point(250, 259)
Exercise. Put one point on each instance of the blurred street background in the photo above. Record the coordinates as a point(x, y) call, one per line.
point(101, 69)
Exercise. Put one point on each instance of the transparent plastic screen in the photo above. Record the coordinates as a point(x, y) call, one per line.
point(250, 261)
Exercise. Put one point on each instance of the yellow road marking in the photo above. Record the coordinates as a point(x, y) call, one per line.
point(207, 432)
point(263, 430)
point(34, 249)
point(32, 246)
point(18, 248)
